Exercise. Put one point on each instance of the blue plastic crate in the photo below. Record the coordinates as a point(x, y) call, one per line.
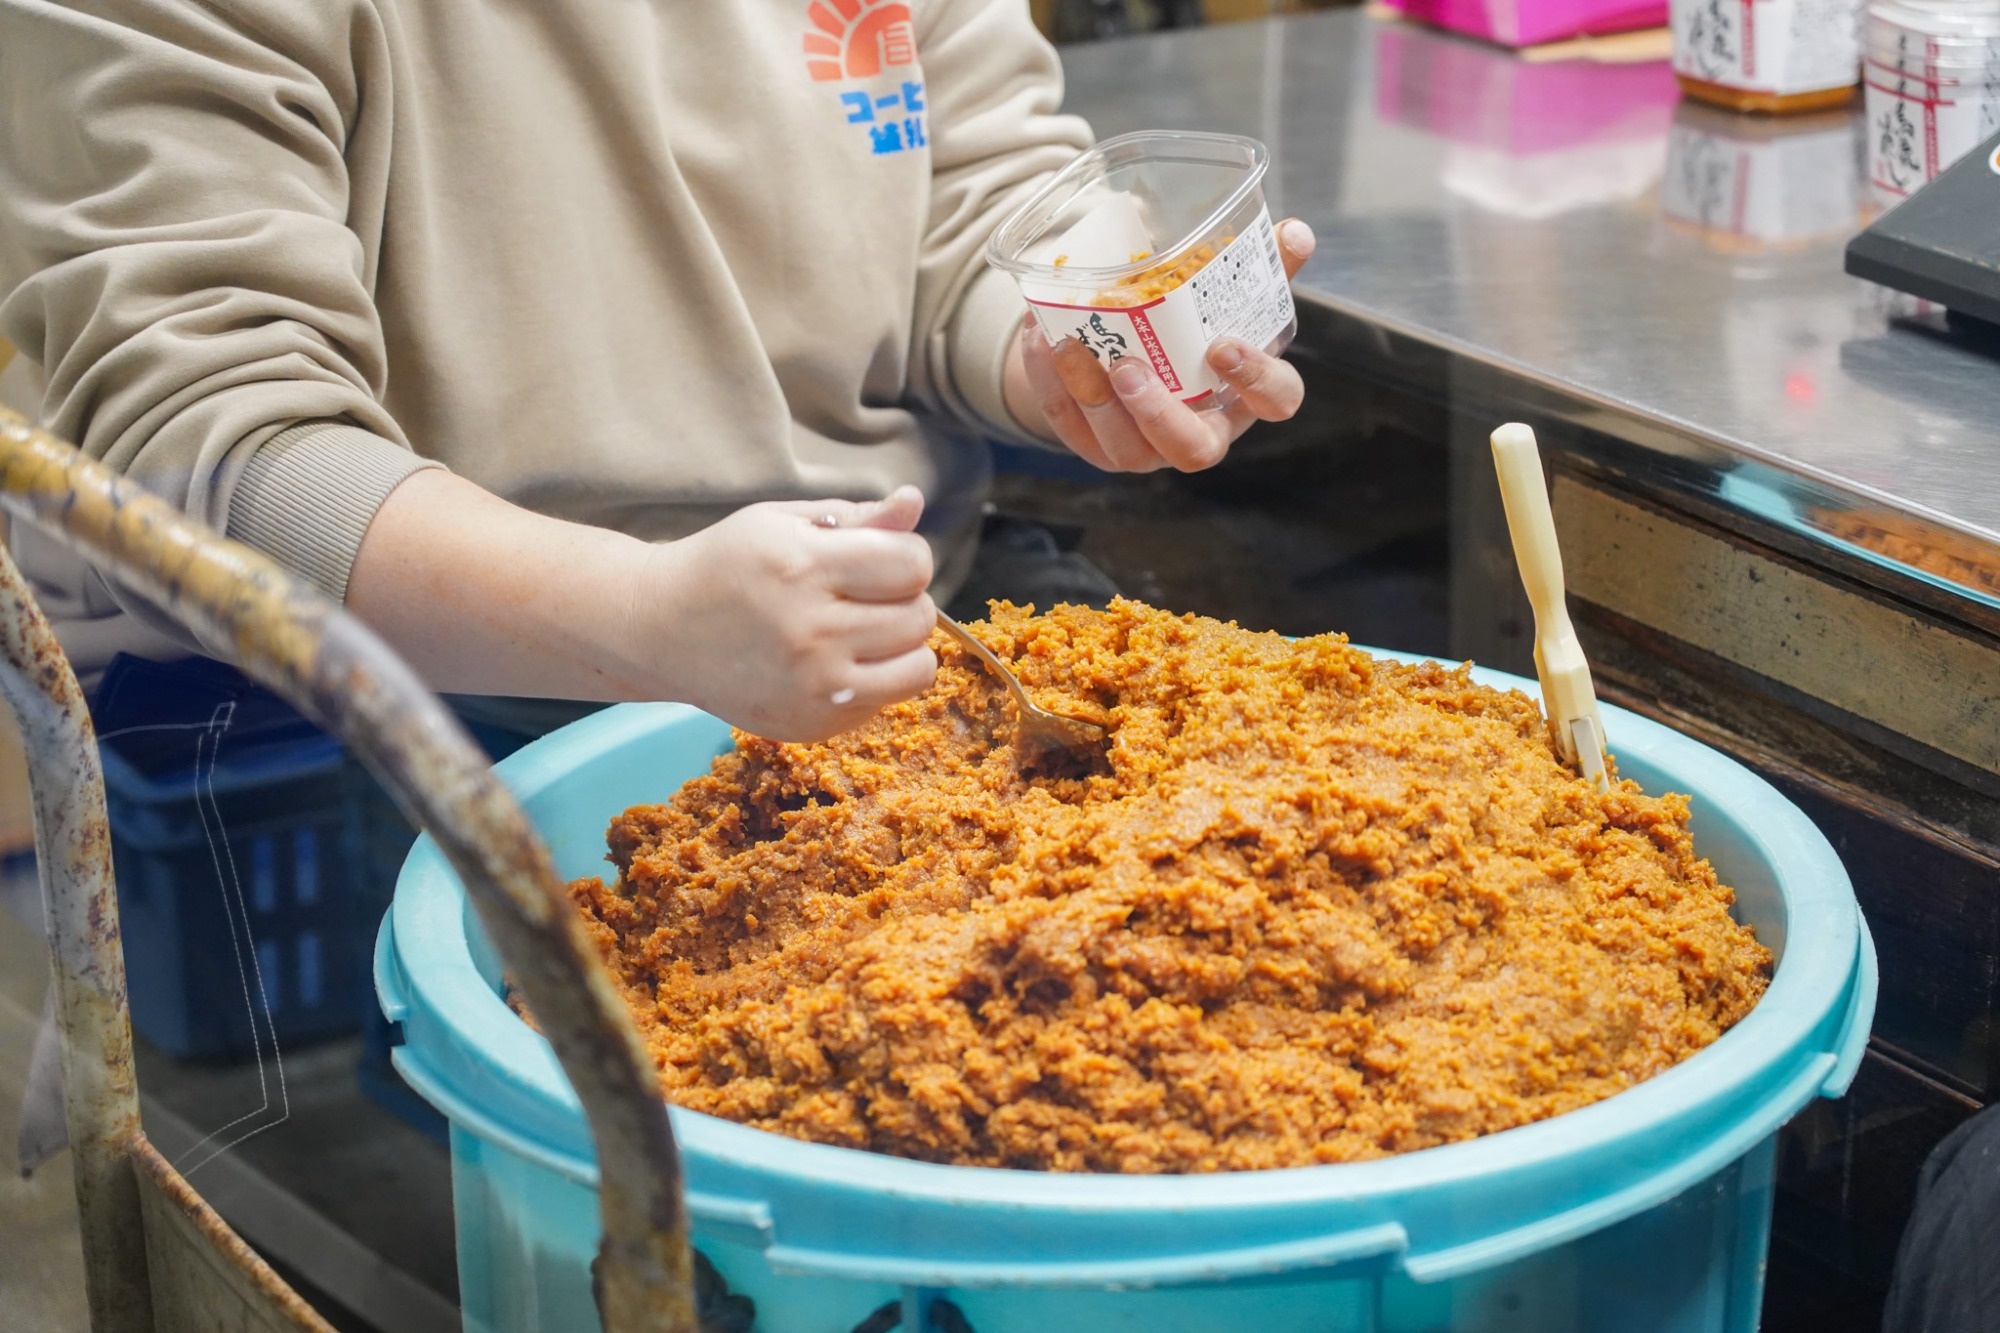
point(233, 889)
point(235, 841)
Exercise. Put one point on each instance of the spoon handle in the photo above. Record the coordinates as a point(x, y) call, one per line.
point(985, 655)
point(1567, 695)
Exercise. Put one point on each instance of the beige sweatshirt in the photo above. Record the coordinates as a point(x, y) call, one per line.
point(631, 263)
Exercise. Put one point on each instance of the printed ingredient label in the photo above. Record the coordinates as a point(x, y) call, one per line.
point(1240, 293)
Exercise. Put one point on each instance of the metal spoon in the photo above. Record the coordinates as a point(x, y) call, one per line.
point(1039, 730)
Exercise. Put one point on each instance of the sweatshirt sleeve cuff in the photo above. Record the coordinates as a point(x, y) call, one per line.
point(981, 333)
point(306, 496)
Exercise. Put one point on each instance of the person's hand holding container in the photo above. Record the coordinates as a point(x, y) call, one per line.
point(1160, 299)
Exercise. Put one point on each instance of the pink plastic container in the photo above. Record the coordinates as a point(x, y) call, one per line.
point(1532, 22)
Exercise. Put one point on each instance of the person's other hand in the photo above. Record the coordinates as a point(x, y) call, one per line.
point(1126, 420)
point(789, 627)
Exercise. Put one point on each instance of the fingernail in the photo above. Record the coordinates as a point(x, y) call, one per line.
point(1127, 378)
point(1226, 356)
point(1298, 238)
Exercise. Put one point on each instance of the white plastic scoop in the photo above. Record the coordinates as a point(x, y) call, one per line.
point(1567, 696)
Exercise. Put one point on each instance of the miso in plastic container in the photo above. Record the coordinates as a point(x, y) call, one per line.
point(1154, 245)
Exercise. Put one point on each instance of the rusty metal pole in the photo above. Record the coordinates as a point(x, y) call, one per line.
point(73, 861)
point(282, 632)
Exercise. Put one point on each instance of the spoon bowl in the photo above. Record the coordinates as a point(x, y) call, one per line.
point(1038, 731)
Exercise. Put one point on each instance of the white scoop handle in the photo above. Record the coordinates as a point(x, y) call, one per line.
point(1567, 695)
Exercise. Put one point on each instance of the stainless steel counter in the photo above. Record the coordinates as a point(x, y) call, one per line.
point(1660, 274)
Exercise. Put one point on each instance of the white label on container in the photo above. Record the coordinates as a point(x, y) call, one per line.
point(1768, 46)
point(1241, 293)
point(1917, 128)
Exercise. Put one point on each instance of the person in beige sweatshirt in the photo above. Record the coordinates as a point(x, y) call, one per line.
point(588, 351)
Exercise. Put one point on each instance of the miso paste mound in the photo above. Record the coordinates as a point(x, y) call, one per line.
point(1311, 907)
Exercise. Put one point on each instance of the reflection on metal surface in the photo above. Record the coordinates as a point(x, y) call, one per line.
point(1865, 657)
point(1542, 186)
point(1902, 541)
point(1908, 541)
point(1527, 139)
point(1700, 361)
point(1748, 183)
point(303, 647)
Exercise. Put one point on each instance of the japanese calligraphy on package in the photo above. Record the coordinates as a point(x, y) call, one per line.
point(1767, 55)
point(1154, 245)
point(1932, 72)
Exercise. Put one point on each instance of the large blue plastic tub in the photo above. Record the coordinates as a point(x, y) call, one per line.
point(1645, 1213)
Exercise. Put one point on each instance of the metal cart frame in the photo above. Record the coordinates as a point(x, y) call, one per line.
point(156, 1256)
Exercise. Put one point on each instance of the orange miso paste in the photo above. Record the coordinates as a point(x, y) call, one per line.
point(1310, 906)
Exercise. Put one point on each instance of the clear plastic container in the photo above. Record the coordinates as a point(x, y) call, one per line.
point(1946, 42)
point(1154, 245)
point(1932, 71)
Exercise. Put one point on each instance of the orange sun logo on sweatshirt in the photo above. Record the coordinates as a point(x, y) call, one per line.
point(858, 39)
